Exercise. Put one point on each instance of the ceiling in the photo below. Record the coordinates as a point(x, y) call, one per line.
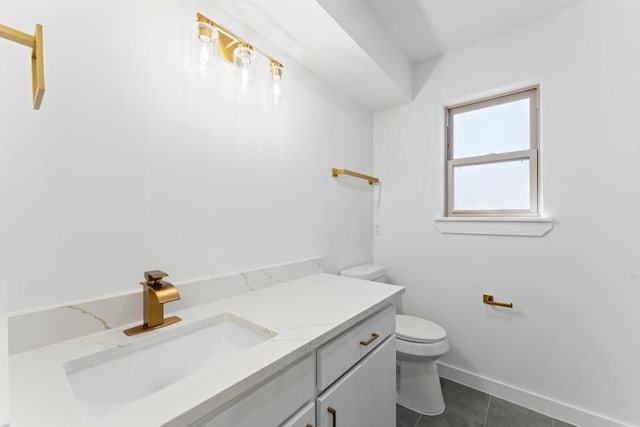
point(357, 45)
point(422, 29)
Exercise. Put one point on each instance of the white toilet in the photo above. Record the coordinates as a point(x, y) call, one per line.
point(419, 343)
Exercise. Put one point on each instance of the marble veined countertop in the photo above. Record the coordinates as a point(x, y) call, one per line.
point(303, 313)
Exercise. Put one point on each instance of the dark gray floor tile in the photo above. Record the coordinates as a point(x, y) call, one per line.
point(507, 414)
point(449, 419)
point(406, 417)
point(558, 423)
point(433, 421)
point(465, 407)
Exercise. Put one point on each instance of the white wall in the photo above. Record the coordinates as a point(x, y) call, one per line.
point(573, 335)
point(136, 162)
point(4, 373)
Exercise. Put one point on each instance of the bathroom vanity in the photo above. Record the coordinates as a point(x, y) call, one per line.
point(317, 351)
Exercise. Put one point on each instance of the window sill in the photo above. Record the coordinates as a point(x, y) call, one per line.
point(495, 226)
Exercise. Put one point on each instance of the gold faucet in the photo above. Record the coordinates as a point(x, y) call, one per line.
point(155, 294)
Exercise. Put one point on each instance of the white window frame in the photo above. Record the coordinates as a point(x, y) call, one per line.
point(532, 93)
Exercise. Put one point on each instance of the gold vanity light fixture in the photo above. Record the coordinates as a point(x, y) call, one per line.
point(214, 42)
point(37, 57)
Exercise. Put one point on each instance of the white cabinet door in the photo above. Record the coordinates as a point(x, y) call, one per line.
point(365, 396)
point(306, 417)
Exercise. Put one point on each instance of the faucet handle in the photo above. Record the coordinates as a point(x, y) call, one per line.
point(154, 276)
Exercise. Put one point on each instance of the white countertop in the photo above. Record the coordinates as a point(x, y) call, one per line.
point(303, 313)
point(4, 373)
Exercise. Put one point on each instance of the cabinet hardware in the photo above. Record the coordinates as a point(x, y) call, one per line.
point(370, 340)
point(333, 412)
point(488, 299)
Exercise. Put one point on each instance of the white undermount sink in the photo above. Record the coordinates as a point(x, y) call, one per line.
point(106, 381)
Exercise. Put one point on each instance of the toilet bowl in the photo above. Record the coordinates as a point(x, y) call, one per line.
point(419, 344)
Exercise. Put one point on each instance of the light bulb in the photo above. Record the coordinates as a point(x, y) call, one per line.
point(204, 56)
point(244, 76)
point(275, 91)
point(204, 46)
point(244, 61)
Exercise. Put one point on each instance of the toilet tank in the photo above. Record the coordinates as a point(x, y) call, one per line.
point(376, 273)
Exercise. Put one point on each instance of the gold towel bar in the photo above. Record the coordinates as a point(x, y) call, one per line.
point(372, 180)
point(488, 299)
point(37, 57)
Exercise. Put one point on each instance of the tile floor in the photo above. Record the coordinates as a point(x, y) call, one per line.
point(466, 407)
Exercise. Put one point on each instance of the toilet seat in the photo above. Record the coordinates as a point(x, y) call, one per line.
point(435, 349)
point(418, 330)
point(420, 337)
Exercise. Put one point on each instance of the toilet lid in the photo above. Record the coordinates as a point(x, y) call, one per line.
point(416, 329)
point(365, 271)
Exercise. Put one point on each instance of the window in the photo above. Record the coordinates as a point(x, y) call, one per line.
point(492, 156)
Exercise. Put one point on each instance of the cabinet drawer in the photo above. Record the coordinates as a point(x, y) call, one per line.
point(305, 417)
point(340, 354)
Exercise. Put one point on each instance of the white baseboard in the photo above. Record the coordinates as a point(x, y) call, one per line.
point(545, 405)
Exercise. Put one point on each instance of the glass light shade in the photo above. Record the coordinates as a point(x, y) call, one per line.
point(204, 49)
point(275, 91)
point(244, 60)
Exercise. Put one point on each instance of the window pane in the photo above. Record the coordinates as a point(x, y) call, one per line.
point(492, 186)
point(497, 129)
